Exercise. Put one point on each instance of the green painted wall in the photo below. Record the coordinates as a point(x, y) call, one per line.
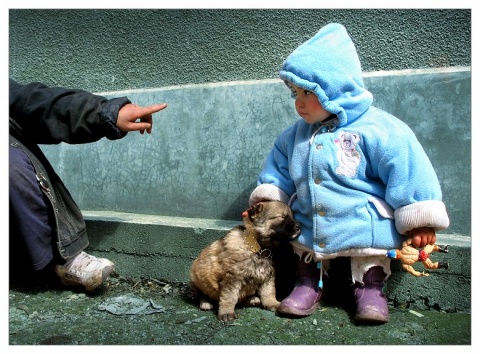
point(110, 50)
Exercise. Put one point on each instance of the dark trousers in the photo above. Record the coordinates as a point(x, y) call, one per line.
point(32, 224)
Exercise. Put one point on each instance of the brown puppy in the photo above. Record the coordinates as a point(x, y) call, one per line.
point(239, 266)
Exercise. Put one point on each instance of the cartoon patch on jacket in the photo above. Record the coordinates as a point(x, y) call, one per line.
point(347, 154)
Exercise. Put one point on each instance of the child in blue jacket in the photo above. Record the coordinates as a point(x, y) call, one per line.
point(356, 177)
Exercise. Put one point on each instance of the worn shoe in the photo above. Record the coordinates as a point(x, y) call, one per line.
point(372, 306)
point(302, 301)
point(85, 270)
point(305, 297)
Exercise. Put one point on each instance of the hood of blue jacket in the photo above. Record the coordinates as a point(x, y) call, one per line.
point(328, 65)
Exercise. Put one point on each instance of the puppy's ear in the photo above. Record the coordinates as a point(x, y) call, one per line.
point(253, 210)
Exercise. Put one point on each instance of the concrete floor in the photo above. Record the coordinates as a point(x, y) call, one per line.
point(43, 312)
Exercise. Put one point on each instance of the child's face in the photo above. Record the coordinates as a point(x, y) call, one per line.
point(307, 105)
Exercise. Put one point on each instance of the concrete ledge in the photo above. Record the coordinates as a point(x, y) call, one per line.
point(164, 248)
point(152, 246)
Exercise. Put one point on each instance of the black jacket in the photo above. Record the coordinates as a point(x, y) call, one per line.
point(49, 115)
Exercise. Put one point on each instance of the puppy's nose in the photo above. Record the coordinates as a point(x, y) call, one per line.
point(295, 231)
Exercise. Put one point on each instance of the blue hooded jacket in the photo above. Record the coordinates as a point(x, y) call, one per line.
point(356, 183)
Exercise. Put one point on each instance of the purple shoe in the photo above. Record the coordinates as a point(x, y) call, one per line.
point(305, 297)
point(372, 306)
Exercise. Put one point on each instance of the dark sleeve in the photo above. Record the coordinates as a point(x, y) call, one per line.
point(50, 115)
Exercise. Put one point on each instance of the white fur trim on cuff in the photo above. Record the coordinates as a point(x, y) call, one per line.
point(429, 213)
point(267, 191)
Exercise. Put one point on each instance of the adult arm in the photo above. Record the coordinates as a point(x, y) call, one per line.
point(50, 115)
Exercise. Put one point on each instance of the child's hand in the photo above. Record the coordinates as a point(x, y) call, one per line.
point(422, 236)
point(132, 117)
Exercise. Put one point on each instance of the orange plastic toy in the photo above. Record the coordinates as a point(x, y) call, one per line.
point(409, 255)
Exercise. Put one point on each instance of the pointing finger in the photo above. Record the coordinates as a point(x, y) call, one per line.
point(154, 108)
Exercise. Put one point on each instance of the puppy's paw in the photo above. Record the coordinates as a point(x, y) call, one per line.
point(253, 301)
point(205, 305)
point(271, 305)
point(227, 317)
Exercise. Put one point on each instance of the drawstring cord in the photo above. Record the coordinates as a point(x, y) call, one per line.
point(292, 198)
point(320, 282)
point(314, 134)
point(308, 258)
point(327, 127)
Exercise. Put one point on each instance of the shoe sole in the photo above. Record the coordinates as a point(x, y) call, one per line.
point(296, 312)
point(372, 317)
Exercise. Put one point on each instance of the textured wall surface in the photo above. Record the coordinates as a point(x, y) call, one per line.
point(207, 148)
point(109, 50)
